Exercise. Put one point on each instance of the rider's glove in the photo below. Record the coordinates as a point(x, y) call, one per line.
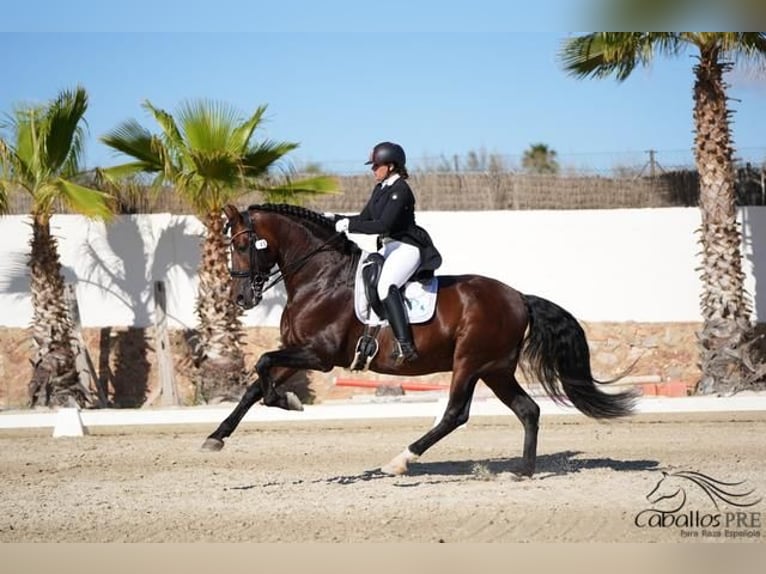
point(342, 225)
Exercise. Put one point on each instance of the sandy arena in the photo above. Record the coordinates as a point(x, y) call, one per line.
point(299, 482)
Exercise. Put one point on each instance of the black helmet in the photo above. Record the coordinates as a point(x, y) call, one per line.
point(387, 152)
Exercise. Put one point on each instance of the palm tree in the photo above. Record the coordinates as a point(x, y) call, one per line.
point(726, 336)
point(40, 153)
point(540, 159)
point(208, 154)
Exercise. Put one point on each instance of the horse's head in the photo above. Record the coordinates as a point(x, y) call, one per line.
point(667, 488)
point(251, 258)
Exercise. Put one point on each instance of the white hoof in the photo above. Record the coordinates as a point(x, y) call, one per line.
point(399, 464)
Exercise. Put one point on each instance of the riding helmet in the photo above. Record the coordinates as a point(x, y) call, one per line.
point(387, 152)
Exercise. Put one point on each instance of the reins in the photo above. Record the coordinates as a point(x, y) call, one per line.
point(296, 265)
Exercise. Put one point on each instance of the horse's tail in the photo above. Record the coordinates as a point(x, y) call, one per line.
point(557, 355)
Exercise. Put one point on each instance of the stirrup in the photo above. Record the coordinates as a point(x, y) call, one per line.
point(366, 348)
point(404, 352)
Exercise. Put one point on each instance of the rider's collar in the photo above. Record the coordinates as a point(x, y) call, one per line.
point(390, 180)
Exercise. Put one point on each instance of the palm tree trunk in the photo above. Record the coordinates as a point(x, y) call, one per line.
point(54, 380)
point(725, 304)
point(221, 365)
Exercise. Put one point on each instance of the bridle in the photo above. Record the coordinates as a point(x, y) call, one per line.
point(257, 278)
point(261, 281)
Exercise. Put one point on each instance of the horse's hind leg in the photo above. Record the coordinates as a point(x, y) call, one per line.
point(456, 414)
point(508, 390)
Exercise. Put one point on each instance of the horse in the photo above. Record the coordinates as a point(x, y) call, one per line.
point(480, 330)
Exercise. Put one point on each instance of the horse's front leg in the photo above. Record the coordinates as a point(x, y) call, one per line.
point(288, 361)
point(252, 395)
point(273, 398)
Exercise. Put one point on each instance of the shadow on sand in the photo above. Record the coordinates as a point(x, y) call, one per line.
point(548, 466)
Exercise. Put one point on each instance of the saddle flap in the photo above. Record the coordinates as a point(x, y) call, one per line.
point(371, 269)
point(419, 296)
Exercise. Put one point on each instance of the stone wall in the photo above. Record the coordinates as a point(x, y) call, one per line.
point(125, 358)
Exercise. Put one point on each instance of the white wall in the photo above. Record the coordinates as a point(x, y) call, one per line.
point(605, 265)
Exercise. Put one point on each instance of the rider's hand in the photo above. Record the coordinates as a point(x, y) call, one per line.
point(342, 225)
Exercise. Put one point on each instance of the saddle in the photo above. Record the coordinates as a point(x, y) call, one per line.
point(419, 295)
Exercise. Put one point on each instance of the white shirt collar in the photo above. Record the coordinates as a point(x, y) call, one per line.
point(390, 180)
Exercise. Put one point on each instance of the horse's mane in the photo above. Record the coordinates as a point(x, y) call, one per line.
point(317, 223)
point(715, 488)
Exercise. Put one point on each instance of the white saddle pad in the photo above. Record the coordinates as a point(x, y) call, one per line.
point(419, 299)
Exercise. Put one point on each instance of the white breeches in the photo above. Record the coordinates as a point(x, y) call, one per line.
point(402, 260)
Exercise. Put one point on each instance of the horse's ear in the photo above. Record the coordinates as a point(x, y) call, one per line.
point(231, 212)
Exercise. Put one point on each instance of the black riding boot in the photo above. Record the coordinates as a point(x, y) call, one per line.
point(397, 317)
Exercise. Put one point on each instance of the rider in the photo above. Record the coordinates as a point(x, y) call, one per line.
point(406, 247)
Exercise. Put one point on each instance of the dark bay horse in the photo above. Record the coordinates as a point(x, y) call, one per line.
point(480, 330)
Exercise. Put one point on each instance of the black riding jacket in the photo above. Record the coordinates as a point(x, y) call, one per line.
point(390, 212)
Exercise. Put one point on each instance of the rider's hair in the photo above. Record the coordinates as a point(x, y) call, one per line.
point(401, 170)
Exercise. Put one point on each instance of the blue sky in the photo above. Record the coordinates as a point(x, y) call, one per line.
point(440, 83)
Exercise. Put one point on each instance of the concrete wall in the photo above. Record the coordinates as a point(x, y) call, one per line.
point(602, 265)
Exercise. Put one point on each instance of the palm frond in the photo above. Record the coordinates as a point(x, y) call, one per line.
point(293, 191)
point(62, 131)
point(29, 165)
point(208, 125)
point(242, 134)
point(257, 161)
point(603, 54)
point(73, 165)
point(216, 165)
point(132, 139)
point(116, 174)
point(747, 46)
point(13, 170)
point(171, 133)
point(89, 202)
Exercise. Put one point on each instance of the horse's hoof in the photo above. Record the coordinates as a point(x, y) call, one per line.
point(293, 402)
point(392, 469)
point(525, 473)
point(212, 444)
point(399, 464)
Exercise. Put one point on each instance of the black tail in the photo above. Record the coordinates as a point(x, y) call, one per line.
point(556, 353)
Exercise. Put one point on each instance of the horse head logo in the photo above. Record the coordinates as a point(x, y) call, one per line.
point(670, 493)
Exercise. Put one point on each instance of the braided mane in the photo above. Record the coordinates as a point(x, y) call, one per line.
point(307, 216)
